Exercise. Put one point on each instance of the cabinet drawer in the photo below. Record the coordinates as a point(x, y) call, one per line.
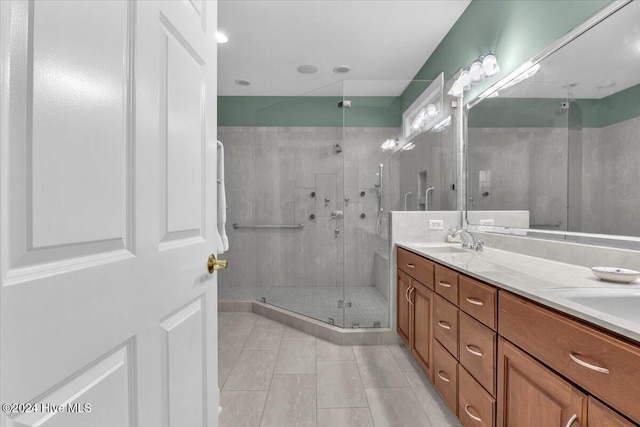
point(476, 408)
point(603, 365)
point(446, 376)
point(416, 266)
point(445, 324)
point(478, 300)
point(478, 351)
point(446, 283)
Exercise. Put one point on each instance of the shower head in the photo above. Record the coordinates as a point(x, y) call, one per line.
point(337, 149)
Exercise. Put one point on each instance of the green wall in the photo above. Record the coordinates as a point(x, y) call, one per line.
point(545, 112)
point(515, 30)
point(373, 111)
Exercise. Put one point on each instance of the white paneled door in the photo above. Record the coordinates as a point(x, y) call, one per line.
point(108, 213)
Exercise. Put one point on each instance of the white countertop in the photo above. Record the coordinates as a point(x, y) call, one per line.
point(528, 276)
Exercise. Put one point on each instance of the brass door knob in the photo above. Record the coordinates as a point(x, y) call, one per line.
point(214, 264)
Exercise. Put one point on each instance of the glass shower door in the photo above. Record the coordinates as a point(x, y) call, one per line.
point(369, 194)
point(301, 163)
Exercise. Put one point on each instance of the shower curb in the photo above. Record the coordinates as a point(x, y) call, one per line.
point(322, 330)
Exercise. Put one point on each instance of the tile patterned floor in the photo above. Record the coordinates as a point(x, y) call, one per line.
point(319, 302)
point(274, 376)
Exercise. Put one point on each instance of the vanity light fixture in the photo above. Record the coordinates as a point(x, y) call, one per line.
point(476, 74)
point(425, 111)
point(490, 65)
point(465, 79)
point(485, 67)
point(389, 144)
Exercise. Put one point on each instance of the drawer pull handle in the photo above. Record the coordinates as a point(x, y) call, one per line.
point(443, 325)
point(411, 300)
point(574, 357)
point(474, 350)
point(411, 265)
point(466, 409)
point(474, 301)
point(572, 420)
point(442, 377)
point(445, 284)
point(406, 293)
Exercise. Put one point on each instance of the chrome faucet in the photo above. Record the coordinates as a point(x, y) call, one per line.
point(475, 244)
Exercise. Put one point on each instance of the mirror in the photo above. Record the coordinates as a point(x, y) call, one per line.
point(559, 140)
point(429, 162)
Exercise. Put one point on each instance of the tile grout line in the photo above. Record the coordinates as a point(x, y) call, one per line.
point(355, 359)
point(270, 382)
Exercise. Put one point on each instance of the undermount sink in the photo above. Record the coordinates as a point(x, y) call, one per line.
point(618, 302)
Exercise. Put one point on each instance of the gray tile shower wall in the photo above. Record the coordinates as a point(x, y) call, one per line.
point(519, 169)
point(435, 157)
point(610, 190)
point(595, 170)
point(271, 173)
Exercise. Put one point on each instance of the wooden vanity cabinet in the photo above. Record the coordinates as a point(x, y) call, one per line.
point(500, 360)
point(445, 375)
point(446, 283)
point(531, 395)
point(605, 366)
point(403, 307)
point(415, 307)
point(422, 326)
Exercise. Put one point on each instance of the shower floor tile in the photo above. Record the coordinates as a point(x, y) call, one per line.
point(319, 302)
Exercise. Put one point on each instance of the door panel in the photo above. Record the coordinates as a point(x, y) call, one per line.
point(108, 136)
point(185, 381)
point(74, 403)
point(183, 138)
point(65, 105)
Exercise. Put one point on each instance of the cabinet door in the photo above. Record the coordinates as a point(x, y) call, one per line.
point(531, 395)
point(422, 331)
point(602, 416)
point(404, 284)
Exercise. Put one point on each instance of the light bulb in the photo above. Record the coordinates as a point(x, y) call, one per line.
point(456, 90)
point(464, 78)
point(389, 144)
point(490, 65)
point(432, 111)
point(475, 72)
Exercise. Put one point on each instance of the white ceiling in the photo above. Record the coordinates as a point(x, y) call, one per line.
point(602, 61)
point(378, 39)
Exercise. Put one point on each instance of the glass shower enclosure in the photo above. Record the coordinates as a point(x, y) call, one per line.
point(309, 191)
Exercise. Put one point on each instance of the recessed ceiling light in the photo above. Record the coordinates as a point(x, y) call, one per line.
point(341, 69)
point(243, 82)
point(221, 37)
point(307, 69)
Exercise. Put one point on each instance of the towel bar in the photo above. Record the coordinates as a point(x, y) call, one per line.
point(294, 226)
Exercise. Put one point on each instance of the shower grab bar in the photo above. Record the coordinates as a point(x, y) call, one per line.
point(294, 226)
